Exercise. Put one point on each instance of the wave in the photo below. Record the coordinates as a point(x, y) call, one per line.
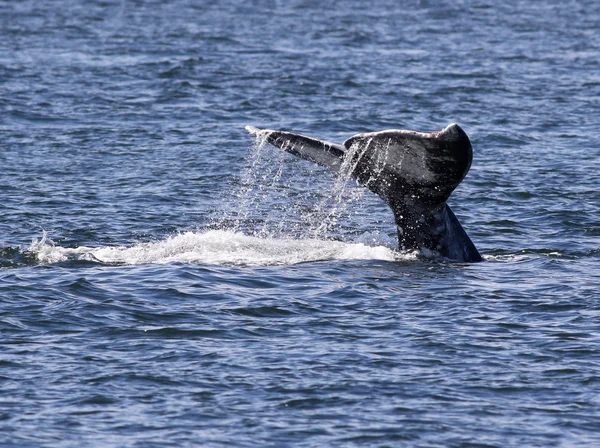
point(217, 247)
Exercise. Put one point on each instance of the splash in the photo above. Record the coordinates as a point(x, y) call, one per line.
point(217, 247)
point(273, 218)
point(261, 179)
point(333, 206)
point(279, 196)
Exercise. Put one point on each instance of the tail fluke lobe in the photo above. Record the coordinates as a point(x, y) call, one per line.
point(413, 164)
point(317, 151)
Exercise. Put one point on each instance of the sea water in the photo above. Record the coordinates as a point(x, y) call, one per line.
point(167, 281)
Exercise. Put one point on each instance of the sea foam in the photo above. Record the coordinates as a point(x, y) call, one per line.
point(217, 247)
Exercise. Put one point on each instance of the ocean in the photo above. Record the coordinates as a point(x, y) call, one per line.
point(168, 280)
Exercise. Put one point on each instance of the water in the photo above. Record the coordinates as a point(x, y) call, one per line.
point(166, 282)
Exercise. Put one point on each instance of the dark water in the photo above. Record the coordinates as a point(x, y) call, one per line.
point(186, 288)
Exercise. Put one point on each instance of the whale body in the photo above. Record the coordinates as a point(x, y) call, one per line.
point(413, 172)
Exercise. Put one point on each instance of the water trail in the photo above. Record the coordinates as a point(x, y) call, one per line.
point(243, 197)
point(242, 210)
point(340, 196)
point(272, 201)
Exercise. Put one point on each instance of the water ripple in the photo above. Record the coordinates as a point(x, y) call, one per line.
point(176, 293)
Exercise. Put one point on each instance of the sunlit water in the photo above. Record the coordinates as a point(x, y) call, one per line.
point(166, 280)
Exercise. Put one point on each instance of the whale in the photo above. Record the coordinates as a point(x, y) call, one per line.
point(413, 172)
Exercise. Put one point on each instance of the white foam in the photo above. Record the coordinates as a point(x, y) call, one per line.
point(218, 247)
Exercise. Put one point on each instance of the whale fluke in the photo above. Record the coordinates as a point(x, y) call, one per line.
point(320, 152)
point(413, 172)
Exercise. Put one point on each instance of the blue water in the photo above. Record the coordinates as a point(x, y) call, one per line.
point(165, 280)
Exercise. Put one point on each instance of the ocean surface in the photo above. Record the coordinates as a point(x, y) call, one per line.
point(168, 281)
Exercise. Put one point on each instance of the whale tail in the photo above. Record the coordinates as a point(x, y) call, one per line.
point(413, 172)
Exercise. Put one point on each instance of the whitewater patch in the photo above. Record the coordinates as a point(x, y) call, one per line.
point(217, 247)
